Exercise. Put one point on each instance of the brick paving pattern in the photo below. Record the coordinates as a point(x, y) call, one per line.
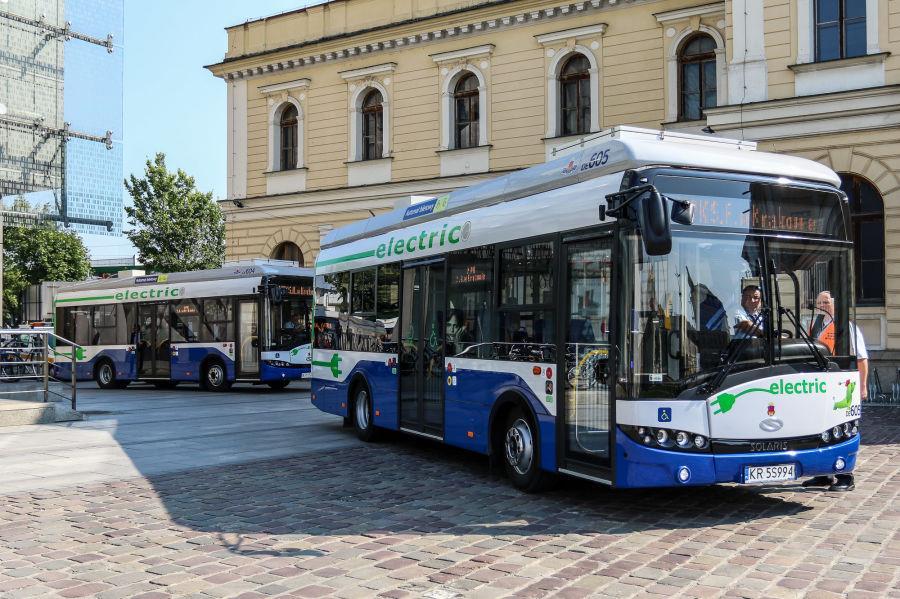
point(407, 519)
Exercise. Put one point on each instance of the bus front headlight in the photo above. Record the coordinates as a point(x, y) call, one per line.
point(682, 439)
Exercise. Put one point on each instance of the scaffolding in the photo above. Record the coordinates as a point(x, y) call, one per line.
point(40, 163)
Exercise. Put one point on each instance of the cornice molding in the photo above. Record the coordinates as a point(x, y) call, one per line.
point(427, 35)
point(811, 115)
point(567, 34)
point(703, 10)
point(464, 53)
point(280, 87)
point(378, 69)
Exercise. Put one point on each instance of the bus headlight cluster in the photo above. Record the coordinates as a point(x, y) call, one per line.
point(838, 433)
point(667, 438)
point(278, 363)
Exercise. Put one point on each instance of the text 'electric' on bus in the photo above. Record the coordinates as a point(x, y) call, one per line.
point(639, 313)
point(247, 322)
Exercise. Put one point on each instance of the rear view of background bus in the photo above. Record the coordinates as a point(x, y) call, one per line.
point(247, 322)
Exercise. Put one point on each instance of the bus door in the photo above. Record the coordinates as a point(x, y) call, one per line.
point(585, 375)
point(422, 349)
point(153, 349)
point(248, 338)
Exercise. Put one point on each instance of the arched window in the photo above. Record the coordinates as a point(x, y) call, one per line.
point(287, 250)
point(288, 145)
point(575, 96)
point(372, 125)
point(697, 77)
point(465, 109)
point(867, 233)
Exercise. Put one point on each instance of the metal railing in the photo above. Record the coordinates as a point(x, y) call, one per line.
point(32, 355)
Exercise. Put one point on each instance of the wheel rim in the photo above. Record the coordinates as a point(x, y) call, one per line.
point(519, 446)
point(215, 375)
point(362, 410)
point(106, 375)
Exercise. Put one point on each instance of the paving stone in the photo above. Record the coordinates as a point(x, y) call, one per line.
point(418, 519)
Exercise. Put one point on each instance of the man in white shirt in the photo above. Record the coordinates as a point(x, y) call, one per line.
point(825, 304)
point(747, 320)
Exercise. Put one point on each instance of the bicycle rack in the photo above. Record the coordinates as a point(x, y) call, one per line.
point(32, 355)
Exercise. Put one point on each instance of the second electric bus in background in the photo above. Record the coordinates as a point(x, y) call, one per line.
point(247, 322)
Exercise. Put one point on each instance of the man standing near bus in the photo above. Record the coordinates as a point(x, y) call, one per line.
point(822, 329)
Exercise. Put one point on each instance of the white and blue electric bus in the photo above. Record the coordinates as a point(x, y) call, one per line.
point(247, 322)
point(589, 316)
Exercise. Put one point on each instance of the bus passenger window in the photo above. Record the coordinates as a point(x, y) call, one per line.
point(469, 330)
point(527, 311)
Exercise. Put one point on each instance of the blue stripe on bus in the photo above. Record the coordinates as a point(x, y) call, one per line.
point(467, 405)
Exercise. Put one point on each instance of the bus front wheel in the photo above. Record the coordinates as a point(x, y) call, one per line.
point(215, 377)
point(362, 414)
point(521, 454)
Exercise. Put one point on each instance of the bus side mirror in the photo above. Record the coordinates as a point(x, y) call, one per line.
point(653, 218)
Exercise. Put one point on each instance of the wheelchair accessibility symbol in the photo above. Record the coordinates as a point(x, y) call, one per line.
point(664, 415)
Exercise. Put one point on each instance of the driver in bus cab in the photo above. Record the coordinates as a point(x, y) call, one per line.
point(748, 319)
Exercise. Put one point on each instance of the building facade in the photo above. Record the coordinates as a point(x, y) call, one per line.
point(341, 110)
point(94, 104)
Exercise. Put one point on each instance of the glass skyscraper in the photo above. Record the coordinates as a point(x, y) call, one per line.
point(93, 104)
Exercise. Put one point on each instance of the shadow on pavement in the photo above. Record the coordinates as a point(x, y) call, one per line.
point(405, 486)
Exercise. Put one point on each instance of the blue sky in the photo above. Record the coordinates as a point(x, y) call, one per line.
point(172, 104)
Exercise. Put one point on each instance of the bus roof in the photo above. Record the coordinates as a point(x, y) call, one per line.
point(243, 269)
point(614, 150)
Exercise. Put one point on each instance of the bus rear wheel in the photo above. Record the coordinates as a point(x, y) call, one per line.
point(215, 377)
point(362, 414)
point(278, 384)
point(105, 375)
point(521, 454)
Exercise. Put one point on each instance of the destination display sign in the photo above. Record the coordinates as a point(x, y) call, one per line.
point(758, 206)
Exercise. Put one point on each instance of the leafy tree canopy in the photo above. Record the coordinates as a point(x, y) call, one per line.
point(37, 253)
point(176, 227)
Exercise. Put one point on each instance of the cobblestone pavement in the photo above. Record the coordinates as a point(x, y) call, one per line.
point(409, 519)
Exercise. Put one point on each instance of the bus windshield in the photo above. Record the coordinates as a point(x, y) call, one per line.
point(290, 316)
point(717, 298)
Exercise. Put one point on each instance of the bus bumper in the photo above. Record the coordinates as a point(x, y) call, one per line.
point(641, 466)
point(269, 372)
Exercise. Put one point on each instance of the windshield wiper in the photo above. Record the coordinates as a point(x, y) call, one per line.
point(821, 360)
point(735, 355)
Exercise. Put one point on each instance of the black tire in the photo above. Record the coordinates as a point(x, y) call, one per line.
point(278, 385)
point(215, 377)
point(105, 375)
point(362, 414)
point(520, 453)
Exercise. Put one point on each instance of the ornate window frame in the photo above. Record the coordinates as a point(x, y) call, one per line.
point(679, 25)
point(806, 24)
point(560, 46)
point(279, 96)
point(359, 82)
point(453, 65)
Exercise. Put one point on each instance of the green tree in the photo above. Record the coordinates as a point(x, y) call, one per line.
point(176, 227)
point(34, 254)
